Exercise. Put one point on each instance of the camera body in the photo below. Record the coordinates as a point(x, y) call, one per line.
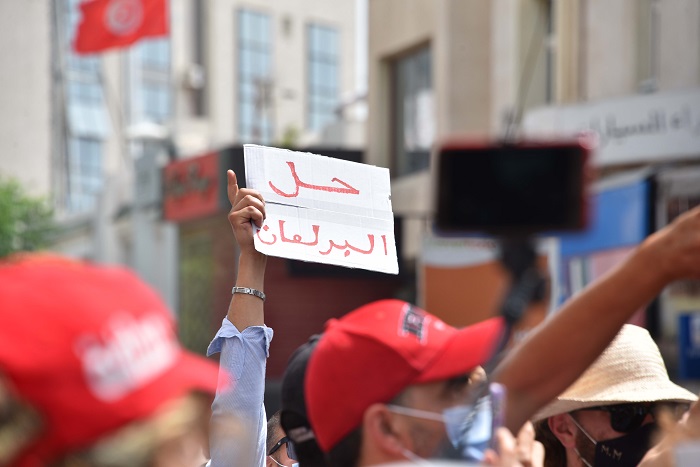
point(518, 189)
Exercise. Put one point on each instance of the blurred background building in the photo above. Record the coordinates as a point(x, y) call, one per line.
point(131, 145)
point(627, 70)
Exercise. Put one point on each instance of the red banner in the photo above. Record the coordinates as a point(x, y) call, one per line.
point(192, 188)
point(108, 24)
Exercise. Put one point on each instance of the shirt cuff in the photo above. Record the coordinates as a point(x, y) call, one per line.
point(228, 330)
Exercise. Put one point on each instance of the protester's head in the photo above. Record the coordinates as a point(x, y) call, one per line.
point(608, 414)
point(91, 372)
point(280, 450)
point(380, 378)
point(293, 417)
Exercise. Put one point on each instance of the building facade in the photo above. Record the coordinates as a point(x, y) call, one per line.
point(96, 134)
point(486, 70)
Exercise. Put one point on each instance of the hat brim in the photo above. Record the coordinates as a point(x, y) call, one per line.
point(190, 373)
point(629, 370)
point(468, 348)
point(668, 393)
point(193, 373)
point(309, 453)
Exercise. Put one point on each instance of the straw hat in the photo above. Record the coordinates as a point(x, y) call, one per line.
point(629, 370)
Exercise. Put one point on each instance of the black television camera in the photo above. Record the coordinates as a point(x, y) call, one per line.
point(513, 191)
point(518, 189)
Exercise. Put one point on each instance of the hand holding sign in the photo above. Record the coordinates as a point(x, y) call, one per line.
point(246, 206)
point(323, 209)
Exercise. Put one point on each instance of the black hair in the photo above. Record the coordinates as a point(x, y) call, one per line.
point(273, 425)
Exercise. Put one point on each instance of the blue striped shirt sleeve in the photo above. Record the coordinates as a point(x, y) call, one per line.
point(240, 395)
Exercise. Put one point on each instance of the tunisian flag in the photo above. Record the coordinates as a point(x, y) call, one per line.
point(118, 23)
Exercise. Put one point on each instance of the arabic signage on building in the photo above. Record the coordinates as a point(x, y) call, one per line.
point(632, 130)
point(192, 188)
point(323, 209)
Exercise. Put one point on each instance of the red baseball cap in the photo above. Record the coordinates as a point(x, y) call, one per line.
point(373, 353)
point(90, 349)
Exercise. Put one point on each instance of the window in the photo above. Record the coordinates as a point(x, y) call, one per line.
point(322, 75)
point(413, 115)
point(647, 45)
point(87, 115)
point(84, 174)
point(254, 77)
point(535, 54)
point(88, 122)
point(152, 76)
point(199, 97)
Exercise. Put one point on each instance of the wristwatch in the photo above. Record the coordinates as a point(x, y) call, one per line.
point(249, 291)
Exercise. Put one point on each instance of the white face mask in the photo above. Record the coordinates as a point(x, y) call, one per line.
point(296, 464)
point(415, 458)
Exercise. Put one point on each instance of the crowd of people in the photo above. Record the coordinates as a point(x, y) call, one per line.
point(91, 374)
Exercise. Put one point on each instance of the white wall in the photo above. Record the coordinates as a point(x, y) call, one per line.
point(25, 87)
point(679, 44)
point(609, 48)
point(612, 44)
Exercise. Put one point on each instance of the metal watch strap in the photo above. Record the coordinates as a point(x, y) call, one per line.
point(249, 291)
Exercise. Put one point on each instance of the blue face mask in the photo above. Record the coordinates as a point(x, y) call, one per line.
point(469, 428)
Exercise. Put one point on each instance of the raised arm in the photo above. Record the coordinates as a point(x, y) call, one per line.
point(246, 205)
point(553, 356)
point(244, 343)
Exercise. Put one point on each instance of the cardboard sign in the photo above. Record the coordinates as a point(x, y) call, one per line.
point(323, 209)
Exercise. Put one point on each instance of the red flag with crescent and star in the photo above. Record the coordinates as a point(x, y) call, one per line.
point(108, 24)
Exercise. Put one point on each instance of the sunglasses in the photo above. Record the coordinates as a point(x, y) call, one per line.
point(291, 451)
point(625, 418)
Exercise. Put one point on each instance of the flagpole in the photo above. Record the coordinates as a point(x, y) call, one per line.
point(172, 147)
point(60, 176)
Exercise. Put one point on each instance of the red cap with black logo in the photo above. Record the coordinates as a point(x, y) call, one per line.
point(373, 353)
